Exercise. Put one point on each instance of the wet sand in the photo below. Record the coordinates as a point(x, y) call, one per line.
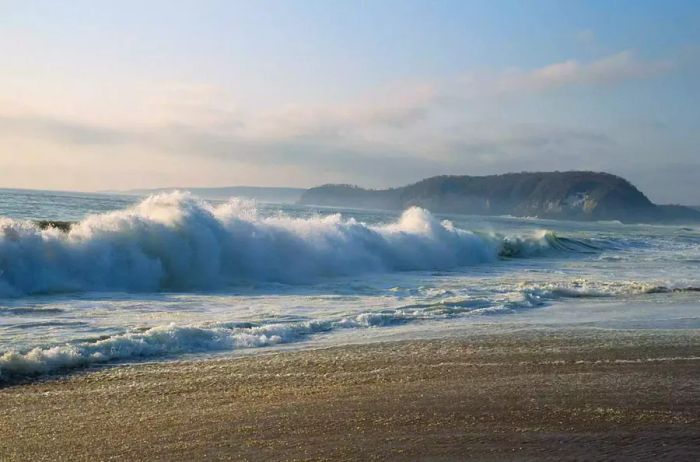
point(527, 396)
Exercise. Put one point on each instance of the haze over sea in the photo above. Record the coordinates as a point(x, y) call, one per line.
point(169, 275)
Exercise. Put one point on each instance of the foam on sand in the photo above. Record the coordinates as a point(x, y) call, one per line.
point(171, 340)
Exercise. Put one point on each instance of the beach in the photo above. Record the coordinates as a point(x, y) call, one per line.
point(303, 230)
point(528, 395)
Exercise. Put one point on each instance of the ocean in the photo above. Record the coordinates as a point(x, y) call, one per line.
point(172, 276)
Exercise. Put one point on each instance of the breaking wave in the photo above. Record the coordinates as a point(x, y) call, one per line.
point(175, 242)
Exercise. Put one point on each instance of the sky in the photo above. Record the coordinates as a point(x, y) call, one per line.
point(113, 95)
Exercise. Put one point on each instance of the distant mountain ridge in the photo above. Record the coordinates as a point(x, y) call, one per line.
point(572, 195)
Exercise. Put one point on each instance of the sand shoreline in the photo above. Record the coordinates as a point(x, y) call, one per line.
point(528, 395)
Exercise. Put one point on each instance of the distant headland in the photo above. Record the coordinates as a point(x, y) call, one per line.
point(572, 195)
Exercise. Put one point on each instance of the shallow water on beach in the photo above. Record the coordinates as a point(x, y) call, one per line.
point(172, 275)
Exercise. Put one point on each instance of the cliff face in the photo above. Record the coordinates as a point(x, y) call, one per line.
point(565, 195)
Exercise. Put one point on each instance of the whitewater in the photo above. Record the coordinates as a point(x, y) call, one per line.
point(173, 274)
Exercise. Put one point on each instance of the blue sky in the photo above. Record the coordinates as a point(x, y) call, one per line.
point(114, 95)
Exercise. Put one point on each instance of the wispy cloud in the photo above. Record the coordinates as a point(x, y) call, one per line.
point(412, 104)
point(390, 136)
point(611, 69)
point(606, 71)
point(64, 130)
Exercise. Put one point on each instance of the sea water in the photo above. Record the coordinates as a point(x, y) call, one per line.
point(173, 274)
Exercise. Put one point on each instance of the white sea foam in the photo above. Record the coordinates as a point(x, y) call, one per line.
point(172, 340)
point(176, 242)
point(169, 340)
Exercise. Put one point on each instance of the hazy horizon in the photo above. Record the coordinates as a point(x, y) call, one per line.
point(119, 96)
point(253, 186)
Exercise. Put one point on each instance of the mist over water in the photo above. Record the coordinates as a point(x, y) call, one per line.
point(173, 274)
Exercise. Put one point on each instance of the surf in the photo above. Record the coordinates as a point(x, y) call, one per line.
point(177, 242)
